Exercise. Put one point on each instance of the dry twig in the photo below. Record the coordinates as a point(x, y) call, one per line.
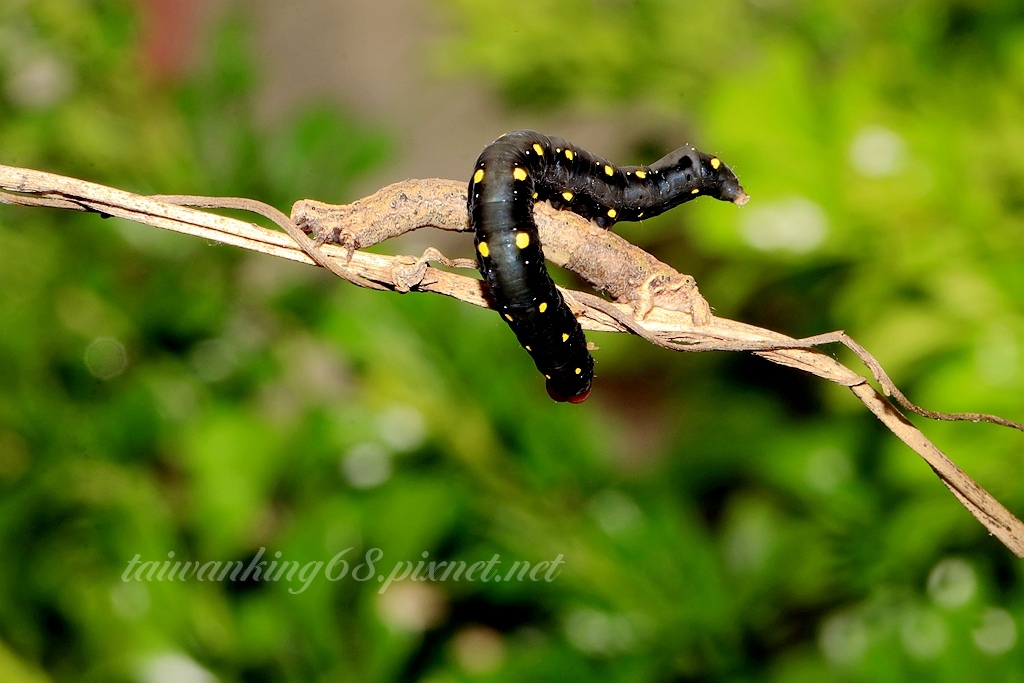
point(651, 299)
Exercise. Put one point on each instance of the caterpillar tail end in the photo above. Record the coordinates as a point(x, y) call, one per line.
point(578, 398)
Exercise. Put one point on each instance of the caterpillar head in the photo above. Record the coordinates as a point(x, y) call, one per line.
point(720, 182)
point(692, 173)
point(562, 396)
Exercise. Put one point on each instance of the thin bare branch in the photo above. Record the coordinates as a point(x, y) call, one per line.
point(651, 300)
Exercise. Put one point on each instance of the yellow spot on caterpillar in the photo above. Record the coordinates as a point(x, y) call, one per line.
point(543, 307)
point(538, 149)
point(508, 317)
point(478, 176)
point(565, 336)
point(715, 163)
point(640, 215)
point(641, 174)
point(522, 240)
point(547, 376)
point(579, 371)
point(569, 155)
point(527, 347)
point(612, 213)
point(519, 173)
point(608, 170)
point(568, 196)
point(695, 190)
point(536, 194)
point(484, 250)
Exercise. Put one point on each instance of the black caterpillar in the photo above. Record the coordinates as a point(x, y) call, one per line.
point(523, 167)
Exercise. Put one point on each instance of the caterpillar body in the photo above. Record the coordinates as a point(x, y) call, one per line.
point(524, 167)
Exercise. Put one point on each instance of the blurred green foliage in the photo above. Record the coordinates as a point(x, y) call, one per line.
point(719, 518)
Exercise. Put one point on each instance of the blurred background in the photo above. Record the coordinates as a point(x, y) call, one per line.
point(720, 518)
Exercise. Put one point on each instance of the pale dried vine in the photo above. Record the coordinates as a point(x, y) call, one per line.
point(651, 300)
